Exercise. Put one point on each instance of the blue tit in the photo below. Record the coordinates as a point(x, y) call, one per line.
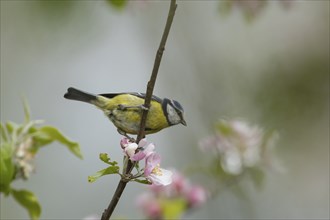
point(125, 110)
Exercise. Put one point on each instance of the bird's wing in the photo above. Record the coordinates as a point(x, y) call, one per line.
point(110, 95)
point(137, 94)
point(143, 95)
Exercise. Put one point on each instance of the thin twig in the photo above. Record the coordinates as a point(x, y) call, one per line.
point(158, 58)
point(150, 87)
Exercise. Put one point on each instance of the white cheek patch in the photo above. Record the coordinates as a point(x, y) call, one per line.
point(172, 115)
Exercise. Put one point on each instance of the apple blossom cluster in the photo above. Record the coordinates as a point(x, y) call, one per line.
point(240, 145)
point(251, 8)
point(144, 151)
point(170, 202)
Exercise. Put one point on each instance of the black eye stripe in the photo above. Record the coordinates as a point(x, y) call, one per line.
point(176, 105)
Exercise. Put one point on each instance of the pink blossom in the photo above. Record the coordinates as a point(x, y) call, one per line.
point(143, 142)
point(196, 196)
point(143, 153)
point(180, 183)
point(150, 206)
point(130, 149)
point(238, 144)
point(151, 162)
point(153, 203)
point(154, 173)
point(124, 142)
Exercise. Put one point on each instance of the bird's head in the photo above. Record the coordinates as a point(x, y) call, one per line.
point(173, 111)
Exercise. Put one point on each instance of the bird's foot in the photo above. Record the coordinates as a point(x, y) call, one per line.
point(125, 134)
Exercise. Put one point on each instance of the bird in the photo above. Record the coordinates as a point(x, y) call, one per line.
point(125, 110)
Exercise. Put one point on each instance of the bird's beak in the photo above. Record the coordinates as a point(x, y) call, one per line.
point(183, 122)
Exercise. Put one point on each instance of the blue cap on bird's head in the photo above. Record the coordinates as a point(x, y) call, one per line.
point(173, 111)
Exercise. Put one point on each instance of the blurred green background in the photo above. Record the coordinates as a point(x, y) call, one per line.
point(272, 70)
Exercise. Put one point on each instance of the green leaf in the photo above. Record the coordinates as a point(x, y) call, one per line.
point(11, 127)
point(38, 142)
point(7, 168)
point(26, 110)
point(25, 128)
point(144, 181)
point(48, 133)
point(29, 201)
point(173, 208)
point(119, 4)
point(39, 139)
point(106, 159)
point(106, 171)
point(4, 135)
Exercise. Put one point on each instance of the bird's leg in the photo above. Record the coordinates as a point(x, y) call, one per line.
point(125, 107)
point(124, 134)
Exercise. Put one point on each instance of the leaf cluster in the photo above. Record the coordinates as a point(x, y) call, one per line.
point(19, 144)
point(113, 168)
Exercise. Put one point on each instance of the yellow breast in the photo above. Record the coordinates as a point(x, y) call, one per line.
point(128, 120)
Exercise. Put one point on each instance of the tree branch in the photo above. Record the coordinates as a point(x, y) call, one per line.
point(150, 87)
point(158, 58)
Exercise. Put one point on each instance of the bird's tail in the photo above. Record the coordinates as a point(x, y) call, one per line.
point(75, 94)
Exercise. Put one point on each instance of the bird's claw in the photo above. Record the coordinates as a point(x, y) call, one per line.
point(124, 134)
point(143, 107)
